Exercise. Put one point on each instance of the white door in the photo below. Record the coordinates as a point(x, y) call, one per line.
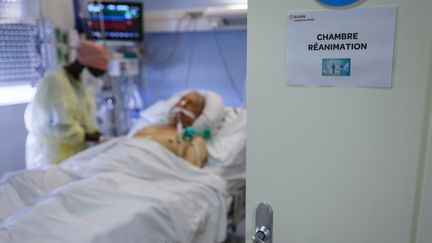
point(340, 165)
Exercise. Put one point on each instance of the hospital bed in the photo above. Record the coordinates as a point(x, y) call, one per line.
point(130, 190)
point(227, 153)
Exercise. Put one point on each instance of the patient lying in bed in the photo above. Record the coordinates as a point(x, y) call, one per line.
point(183, 114)
point(145, 189)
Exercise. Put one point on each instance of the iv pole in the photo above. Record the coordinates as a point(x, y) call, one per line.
point(109, 99)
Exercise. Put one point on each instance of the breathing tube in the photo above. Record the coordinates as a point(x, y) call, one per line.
point(177, 111)
point(189, 133)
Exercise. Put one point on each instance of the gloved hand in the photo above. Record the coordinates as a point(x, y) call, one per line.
point(93, 137)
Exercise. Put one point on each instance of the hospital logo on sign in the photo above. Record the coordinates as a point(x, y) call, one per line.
point(299, 18)
point(339, 3)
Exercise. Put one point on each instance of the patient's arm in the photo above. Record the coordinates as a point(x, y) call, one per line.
point(196, 152)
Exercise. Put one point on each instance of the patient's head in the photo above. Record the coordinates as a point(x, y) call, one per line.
point(193, 103)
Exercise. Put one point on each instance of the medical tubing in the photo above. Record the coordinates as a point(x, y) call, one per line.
point(226, 68)
point(179, 134)
point(170, 57)
point(190, 58)
point(102, 24)
point(44, 45)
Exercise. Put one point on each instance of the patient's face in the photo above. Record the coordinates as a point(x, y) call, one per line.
point(192, 102)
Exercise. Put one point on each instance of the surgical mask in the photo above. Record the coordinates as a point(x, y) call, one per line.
point(89, 80)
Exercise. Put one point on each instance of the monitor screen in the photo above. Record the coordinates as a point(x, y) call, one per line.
point(122, 20)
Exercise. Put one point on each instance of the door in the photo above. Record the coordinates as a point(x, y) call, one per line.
point(340, 165)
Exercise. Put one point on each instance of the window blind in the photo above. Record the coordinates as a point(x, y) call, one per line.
point(20, 45)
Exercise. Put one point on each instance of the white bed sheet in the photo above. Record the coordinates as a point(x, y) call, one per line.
point(233, 173)
point(227, 148)
point(126, 190)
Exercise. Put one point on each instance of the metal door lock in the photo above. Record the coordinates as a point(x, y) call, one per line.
point(263, 223)
point(261, 235)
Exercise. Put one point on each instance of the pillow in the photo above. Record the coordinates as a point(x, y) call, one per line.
point(229, 139)
point(211, 116)
point(213, 112)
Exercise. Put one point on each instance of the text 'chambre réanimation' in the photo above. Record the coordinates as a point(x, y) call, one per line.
point(337, 46)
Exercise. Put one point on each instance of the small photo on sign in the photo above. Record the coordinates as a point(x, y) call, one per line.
point(336, 67)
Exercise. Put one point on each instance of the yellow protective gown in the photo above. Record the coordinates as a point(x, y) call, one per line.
point(61, 113)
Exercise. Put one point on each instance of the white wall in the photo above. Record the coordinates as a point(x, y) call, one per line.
point(339, 164)
point(59, 12)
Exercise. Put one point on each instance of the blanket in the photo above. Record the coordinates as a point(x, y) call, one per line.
point(126, 190)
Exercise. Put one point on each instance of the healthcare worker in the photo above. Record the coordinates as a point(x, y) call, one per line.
point(61, 118)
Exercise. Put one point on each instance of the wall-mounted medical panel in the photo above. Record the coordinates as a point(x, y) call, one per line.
point(229, 17)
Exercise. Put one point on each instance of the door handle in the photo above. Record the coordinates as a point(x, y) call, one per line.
point(263, 224)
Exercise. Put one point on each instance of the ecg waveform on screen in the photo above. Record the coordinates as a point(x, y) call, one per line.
point(115, 26)
point(121, 21)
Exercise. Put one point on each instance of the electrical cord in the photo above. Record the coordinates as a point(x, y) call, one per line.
point(190, 58)
point(226, 68)
point(177, 40)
